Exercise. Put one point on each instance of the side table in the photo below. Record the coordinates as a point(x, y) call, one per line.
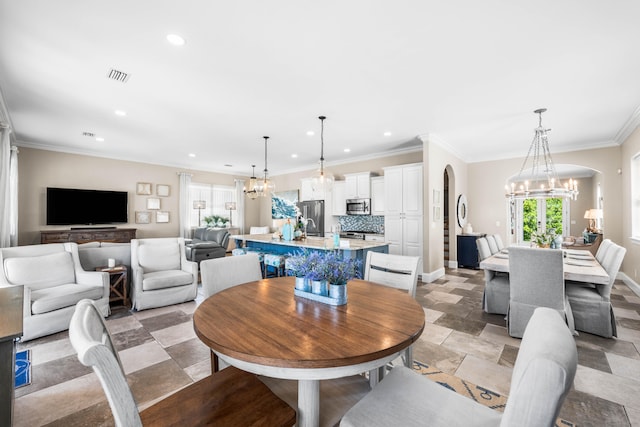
point(118, 283)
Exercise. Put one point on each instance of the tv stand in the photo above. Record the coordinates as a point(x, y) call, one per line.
point(85, 235)
point(93, 228)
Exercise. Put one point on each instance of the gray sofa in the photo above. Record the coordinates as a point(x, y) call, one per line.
point(207, 243)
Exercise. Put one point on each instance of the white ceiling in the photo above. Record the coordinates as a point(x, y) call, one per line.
point(465, 73)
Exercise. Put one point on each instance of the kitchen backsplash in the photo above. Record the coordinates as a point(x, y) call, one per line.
point(361, 222)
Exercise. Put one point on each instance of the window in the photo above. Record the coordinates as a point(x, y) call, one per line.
point(635, 198)
point(540, 215)
point(214, 197)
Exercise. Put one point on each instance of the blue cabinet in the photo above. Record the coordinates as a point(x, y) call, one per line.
point(468, 251)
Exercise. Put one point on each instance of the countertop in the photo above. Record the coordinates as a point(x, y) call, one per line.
point(325, 243)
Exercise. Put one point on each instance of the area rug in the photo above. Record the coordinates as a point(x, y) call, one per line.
point(479, 394)
point(23, 368)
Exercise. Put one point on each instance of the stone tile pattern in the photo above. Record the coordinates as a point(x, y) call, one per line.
point(160, 354)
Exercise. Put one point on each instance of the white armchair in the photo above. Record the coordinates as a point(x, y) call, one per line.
point(54, 282)
point(161, 273)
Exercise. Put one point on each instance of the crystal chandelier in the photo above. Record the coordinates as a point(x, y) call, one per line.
point(543, 182)
point(323, 179)
point(265, 186)
point(252, 192)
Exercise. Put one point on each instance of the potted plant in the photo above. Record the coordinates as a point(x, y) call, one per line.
point(543, 239)
point(298, 265)
point(338, 271)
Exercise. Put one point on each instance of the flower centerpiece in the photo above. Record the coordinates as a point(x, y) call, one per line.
point(543, 239)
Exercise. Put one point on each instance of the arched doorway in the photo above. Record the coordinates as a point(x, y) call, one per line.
point(445, 216)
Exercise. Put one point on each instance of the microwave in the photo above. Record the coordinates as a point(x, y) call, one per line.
point(358, 206)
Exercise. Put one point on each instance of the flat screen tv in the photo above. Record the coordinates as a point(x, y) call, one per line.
point(69, 206)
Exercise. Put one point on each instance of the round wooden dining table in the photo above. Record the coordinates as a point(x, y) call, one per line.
point(262, 327)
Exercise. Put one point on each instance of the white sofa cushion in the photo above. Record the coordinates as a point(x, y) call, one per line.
point(159, 257)
point(62, 296)
point(165, 279)
point(39, 272)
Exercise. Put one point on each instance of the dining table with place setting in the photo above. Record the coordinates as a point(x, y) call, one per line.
point(579, 265)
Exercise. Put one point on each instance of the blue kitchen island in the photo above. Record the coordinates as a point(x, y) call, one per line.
point(349, 248)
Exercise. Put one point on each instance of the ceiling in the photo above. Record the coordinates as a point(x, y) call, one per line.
point(464, 74)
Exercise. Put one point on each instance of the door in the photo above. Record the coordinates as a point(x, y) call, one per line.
point(541, 215)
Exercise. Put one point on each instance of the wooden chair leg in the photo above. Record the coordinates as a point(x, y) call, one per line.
point(215, 363)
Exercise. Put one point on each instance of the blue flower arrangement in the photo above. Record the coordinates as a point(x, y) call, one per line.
point(326, 265)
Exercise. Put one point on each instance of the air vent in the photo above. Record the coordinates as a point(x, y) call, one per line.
point(89, 134)
point(119, 76)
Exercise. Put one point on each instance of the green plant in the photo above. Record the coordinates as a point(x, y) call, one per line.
point(543, 238)
point(213, 220)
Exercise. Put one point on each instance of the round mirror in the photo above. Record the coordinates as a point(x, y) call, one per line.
point(462, 210)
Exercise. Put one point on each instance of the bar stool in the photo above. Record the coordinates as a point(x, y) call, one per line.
point(275, 262)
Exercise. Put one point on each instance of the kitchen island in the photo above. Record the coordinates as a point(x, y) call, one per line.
point(350, 248)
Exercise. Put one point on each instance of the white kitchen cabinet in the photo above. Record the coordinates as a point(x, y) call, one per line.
point(308, 193)
point(358, 185)
point(403, 218)
point(377, 195)
point(339, 199)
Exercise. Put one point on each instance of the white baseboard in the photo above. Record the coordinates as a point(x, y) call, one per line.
point(629, 282)
point(435, 275)
point(453, 264)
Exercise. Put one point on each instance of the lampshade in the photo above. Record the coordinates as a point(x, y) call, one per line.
point(252, 190)
point(322, 180)
point(593, 214)
point(230, 206)
point(199, 204)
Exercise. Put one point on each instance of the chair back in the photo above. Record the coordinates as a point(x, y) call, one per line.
point(483, 248)
point(493, 246)
point(602, 250)
point(396, 271)
point(158, 254)
point(543, 373)
point(498, 241)
point(596, 244)
point(90, 338)
point(219, 274)
point(611, 263)
point(259, 230)
point(536, 277)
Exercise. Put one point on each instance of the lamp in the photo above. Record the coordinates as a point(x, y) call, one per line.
point(230, 206)
point(199, 204)
point(252, 192)
point(265, 186)
point(544, 182)
point(323, 179)
point(592, 215)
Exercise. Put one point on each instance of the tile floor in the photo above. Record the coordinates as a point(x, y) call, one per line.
point(161, 353)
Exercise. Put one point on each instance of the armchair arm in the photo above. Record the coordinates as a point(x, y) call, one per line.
point(94, 278)
point(191, 268)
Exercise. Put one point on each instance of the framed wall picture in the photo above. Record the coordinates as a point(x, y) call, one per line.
point(162, 216)
point(436, 213)
point(143, 217)
point(153, 203)
point(143, 188)
point(163, 190)
point(436, 197)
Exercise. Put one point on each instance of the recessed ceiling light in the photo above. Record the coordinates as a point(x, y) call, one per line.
point(228, 165)
point(120, 113)
point(387, 134)
point(347, 150)
point(191, 155)
point(175, 40)
point(100, 139)
point(293, 156)
point(310, 133)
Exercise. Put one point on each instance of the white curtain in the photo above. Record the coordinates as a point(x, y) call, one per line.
point(185, 222)
point(8, 190)
point(240, 204)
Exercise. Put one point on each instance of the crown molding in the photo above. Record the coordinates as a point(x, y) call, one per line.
point(629, 126)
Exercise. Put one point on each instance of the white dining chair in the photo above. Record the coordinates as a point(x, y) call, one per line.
point(493, 246)
point(229, 397)
point(498, 240)
point(396, 271)
point(495, 297)
point(602, 250)
point(542, 378)
point(536, 279)
point(483, 248)
point(219, 274)
point(591, 305)
point(259, 230)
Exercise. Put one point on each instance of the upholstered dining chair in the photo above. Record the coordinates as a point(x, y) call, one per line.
point(495, 298)
point(219, 274)
point(591, 305)
point(259, 230)
point(536, 279)
point(542, 377)
point(493, 246)
point(230, 397)
point(396, 271)
point(498, 240)
point(602, 250)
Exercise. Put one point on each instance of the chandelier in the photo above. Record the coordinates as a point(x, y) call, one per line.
point(543, 182)
point(265, 186)
point(322, 179)
point(252, 192)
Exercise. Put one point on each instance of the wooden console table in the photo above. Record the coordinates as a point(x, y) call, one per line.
point(115, 235)
point(11, 302)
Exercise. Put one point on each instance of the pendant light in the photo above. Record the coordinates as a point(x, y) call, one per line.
point(266, 186)
point(322, 181)
point(252, 192)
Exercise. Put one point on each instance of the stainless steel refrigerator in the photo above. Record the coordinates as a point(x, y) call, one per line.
point(314, 212)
